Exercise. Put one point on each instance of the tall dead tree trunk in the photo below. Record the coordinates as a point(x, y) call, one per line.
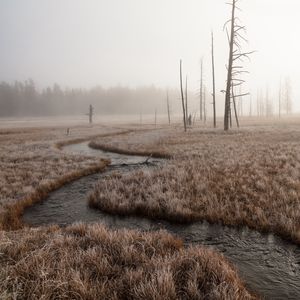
point(186, 100)
point(288, 100)
point(230, 117)
point(201, 91)
point(267, 103)
point(257, 103)
point(204, 105)
point(182, 97)
point(229, 71)
point(279, 100)
point(91, 113)
point(235, 54)
point(168, 109)
point(213, 78)
point(155, 117)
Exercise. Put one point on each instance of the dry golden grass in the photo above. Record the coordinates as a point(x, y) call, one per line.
point(11, 217)
point(31, 165)
point(91, 262)
point(61, 144)
point(152, 153)
point(248, 177)
point(141, 142)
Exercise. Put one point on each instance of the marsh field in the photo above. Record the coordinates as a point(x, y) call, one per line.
point(244, 178)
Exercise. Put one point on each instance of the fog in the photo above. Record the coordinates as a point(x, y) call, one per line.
point(137, 44)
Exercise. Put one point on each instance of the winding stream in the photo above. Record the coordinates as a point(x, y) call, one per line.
point(269, 265)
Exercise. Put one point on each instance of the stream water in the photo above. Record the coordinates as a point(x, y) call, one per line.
point(269, 265)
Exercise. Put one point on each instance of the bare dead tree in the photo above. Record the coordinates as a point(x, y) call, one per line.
point(168, 108)
point(288, 101)
point(268, 104)
point(186, 100)
point(201, 90)
point(257, 103)
point(250, 107)
point(235, 55)
point(213, 79)
point(182, 97)
point(155, 117)
point(260, 103)
point(204, 105)
point(230, 68)
point(230, 117)
point(91, 113)
point(279, 99)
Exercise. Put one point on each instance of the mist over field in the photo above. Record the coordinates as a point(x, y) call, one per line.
point(123, 56)
point(23, 99)
point(149, 149)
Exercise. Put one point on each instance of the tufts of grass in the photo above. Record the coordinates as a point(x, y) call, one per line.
point(103, 147)
point(59, 145)
point(248, 177)
point(10, 219)
point(31, 167)
point(91, 262)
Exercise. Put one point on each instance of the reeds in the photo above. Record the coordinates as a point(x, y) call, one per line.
point(10, 219)
point(59, 145)
point(31, 167)
point(249, 177)
point(150, 153)
point(91, 262)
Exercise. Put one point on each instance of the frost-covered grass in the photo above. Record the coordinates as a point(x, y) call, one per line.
point(248, 177)
point(31, 164)
point(91, 262)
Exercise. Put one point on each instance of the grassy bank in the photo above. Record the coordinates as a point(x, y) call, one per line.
point(61, 144)
point(31, 167)
point(249, 177)
point(91, 262)
point(151, 153)
point(11, 217)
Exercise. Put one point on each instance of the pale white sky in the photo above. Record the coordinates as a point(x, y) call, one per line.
point(82, 43)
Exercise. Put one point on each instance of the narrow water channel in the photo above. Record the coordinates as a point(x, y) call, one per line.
point(269, 265)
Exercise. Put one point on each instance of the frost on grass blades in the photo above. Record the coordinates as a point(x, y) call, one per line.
point(148, 152)
point(268, 274)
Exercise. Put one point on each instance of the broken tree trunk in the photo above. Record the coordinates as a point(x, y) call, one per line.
point(279, 100)
point(168, 109)
point(182, 97)
point(204, 105)
point(214, 83)
point(201, 91)
point(186, 100)
point(91, 112)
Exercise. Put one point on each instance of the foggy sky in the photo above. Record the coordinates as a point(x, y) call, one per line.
point(83, 43)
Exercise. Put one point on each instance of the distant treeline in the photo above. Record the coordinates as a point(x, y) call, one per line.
point(24, 99)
